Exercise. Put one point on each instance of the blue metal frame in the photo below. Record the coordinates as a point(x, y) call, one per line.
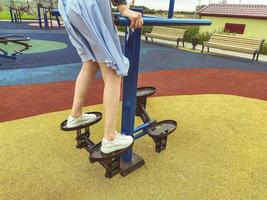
point(8, 57)
point(39, 16)
point(160, 21)
point(171, 8)
point(132, 52)
point(14, 15)
point(11, 15)
point(132, 47)
point(54, 12)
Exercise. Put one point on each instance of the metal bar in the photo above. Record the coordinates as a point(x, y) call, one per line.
point(45, 18)
point(171, 8)
point(55, 12)
point(8, 57)
point(158, 21)
point(58, 22)
point(11, 15)
point(144, 115)
point(141, 127)
point(155, 21)
point(39, 16)
point(132, 51)
point(139, 135)
point(15, 15)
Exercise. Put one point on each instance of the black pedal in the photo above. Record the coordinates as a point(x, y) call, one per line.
point(141, 99)
point(159, 132)
point(142, 94)
point(111, 162)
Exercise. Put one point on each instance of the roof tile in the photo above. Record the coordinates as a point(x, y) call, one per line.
point(235, 10)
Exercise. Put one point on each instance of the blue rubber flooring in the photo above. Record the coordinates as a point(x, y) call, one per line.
point(65, 64)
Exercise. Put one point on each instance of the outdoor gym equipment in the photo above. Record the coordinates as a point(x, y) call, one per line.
point(134, 102)
point(45, 8)
point(16, 39)
point(17, 9)
point(111, 162)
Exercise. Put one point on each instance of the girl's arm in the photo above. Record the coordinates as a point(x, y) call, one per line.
point(135, 17)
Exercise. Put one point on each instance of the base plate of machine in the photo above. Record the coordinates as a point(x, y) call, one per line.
point(127, 168)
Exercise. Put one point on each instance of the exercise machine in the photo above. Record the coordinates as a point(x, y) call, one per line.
point(133, 104)
point(158, 131)
point(45, 13)
point(19, 8)
point(15, 39)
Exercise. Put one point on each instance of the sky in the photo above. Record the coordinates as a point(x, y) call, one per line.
point(189, 5)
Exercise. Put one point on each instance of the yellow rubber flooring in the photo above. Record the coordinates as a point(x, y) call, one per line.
point(219, 151)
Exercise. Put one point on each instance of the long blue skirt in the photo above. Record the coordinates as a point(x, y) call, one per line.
point(92, 32)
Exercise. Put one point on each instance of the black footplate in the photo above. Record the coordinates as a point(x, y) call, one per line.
point(97, 155)
point(145, 91)
point(141, 99)
point(64, 127)
point(160, 131)
point(111, 162)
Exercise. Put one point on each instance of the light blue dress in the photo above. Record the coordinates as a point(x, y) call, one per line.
point(92, 32)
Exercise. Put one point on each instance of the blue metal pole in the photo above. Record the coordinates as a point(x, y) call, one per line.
point(159, 21)
point(39, 16)
point(171, 8)
point(132, 51)
point(11, 15)
point(16, 16)
point(45, 18)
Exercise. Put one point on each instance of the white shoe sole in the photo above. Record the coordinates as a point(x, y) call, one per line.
point(118, 148)
point(80, 123)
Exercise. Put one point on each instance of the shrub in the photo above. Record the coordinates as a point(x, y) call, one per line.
point(193, 32)
point(203, 37)
point(190, 33)
point(144, 29)
point(264, 49)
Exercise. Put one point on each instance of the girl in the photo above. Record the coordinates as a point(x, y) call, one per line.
point(89, 24)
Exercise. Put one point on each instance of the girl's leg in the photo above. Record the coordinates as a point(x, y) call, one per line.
point(111, 99)
point(84, 79)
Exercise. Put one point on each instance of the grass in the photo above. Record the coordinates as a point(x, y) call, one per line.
point(5, 15)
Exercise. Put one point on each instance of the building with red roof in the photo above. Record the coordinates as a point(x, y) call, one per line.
point(245, 19)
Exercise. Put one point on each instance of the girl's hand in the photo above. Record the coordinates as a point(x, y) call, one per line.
point(135, 17)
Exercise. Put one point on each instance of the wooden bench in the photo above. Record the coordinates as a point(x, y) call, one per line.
point(235, 43)
point(171, 34)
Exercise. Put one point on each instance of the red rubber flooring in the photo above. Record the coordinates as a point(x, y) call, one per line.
point(29, 100)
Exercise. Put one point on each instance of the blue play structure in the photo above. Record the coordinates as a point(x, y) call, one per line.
point(134, 98)
point(17, 9)
point(171, 8)
point(15, 39)
point(134, 104)
point(46, 12)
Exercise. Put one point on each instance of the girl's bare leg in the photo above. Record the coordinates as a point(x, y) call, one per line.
point(111, 99)
point(84, 79)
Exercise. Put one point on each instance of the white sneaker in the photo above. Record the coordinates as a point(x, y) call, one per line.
point(121, 136)
point(120, 142)
point(83, 119)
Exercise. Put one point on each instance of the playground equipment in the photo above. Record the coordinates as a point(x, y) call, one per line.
point(45, 9)
point(159, 131)
point(133, 104)
point(18, 8)
point(16, 39)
